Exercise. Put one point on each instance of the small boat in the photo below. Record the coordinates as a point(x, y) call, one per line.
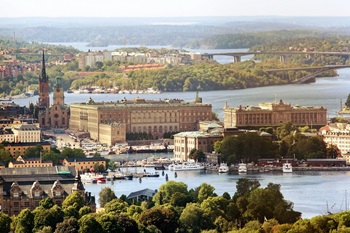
point(242, 168)
point(287, 168)
point(223, 168)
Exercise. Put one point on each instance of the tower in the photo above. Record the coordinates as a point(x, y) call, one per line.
point(44, 99)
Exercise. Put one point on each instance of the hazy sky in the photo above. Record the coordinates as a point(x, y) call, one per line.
point(172, 8)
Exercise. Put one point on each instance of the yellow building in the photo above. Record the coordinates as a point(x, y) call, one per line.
point(83, 164)
point(184, 142)
point(19, 148)
point(274, 114)
point(154, 117)
point(30, 162)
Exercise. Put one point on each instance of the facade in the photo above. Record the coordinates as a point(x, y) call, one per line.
point(154, 117)
point(184, 142)
point(30, 162)
point(19, 148)
point(55, 115)
point(24, 188)
point(83, 164)
point(26, 133)
point(274, 114)
point(337, 134)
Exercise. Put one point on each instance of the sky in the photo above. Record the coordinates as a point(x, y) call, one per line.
point(172, 8)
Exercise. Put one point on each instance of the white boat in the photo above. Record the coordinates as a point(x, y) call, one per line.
point(287, 167)
point(223, 168)
point(242, 168)
point(186, 166)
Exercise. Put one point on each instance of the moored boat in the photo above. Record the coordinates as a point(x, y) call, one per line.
point(287, 167)
point(242, 168)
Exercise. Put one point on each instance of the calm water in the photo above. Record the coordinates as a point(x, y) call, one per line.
point(309, 191)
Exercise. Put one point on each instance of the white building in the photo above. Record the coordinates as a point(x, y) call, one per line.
point(338, 134)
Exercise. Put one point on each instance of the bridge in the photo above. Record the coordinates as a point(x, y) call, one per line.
point(317, 70)
point(283, 54)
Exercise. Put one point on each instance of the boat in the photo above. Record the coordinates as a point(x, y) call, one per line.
point(186, 166)
point(223, 168)
point(287, 167)
point(242, 168)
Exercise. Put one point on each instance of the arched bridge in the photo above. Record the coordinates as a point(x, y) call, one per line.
point(283, 54)
point(316, 71)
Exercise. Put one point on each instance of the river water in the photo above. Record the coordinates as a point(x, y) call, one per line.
point(311, 192)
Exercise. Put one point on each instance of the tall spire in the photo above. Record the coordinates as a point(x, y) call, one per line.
point(43, 70)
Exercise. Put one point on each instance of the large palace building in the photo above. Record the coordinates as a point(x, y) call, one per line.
point(274, 114)
point(154, 117)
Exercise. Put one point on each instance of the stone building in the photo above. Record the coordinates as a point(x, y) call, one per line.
point(24, 188)
point(55, 115)
point(274, 114)
point(154, 117)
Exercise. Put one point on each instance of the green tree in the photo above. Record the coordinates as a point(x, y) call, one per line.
point(74, 199)
point(24, 222)
point(89, 224)
point(167, 190)
point(193, 218)
point(205, 191)
point(105, 195)
point(5, 223)
point(68, 226)
point(165, 219)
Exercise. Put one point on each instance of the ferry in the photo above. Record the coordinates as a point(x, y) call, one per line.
point(287, 168)
point(242, 168)
point(186, 166)
point(223, 168)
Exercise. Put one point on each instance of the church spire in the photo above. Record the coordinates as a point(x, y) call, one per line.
point(43, 70)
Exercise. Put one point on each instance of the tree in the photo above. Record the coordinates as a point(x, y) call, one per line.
point(165, 219)
point(74, 199)
point(194, 219)
point(167, 190)
point(68, 226)
point(205, 191)
point(5, 223)
point(105, 195)
point(89, 224)
point(24, 222)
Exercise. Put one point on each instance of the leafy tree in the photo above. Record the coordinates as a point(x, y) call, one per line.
point(165, 219)
point(167, 190)
point(5, 223)
point(193, 218)
point(24, 222)
point(205, 191)
point(89, 224)
point(68, 226)
point(116, 205)
point(105, 195)
point(74, 199)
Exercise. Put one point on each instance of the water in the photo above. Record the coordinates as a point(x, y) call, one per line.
point(326, 92)
point(310, 192)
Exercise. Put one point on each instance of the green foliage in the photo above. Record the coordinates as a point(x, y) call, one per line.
point(116, 205)
point(24, 221)
point(5, 223)
point(165, 219)
point(74, 199)
point(167, 190)
point(105, 195)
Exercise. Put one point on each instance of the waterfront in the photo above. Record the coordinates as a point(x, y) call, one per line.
point(326, 92)
point(310, 192)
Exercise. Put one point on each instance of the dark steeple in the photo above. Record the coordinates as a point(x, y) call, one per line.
point(43, 77)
